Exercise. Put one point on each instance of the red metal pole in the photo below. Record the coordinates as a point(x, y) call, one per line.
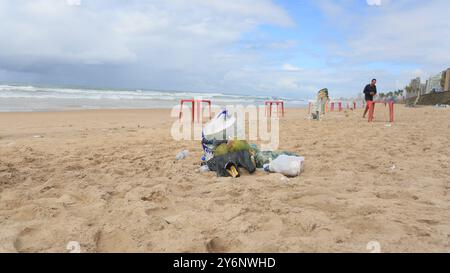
point(391, 111)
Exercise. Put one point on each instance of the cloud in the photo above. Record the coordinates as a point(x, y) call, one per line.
point(73, 2)
point(397, 41)
point(291, 68)
point(415, 34)
point(374, 2)
point(175, 44)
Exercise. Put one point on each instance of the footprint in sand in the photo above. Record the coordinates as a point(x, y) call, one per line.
point(219, 245)
point(24, 241)
point(386, 195)
point(116, 241)
point(8, 239)
point(428, 222)
point(156, 194)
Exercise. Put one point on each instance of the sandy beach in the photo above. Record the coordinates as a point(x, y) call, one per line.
point(108, 179)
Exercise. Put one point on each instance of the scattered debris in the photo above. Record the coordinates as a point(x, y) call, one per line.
point(182, 155)
point(204, 169)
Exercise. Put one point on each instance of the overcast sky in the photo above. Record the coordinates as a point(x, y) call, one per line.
point(281, 47)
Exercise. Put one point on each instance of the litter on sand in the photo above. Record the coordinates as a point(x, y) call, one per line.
point(204, 169)
point(182, 155)
point(229, 164)
point(228, 156)
point(290, 166)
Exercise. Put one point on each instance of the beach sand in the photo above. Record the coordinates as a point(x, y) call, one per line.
point(108, 179)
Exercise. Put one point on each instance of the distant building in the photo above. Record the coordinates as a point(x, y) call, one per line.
point(445, 80)
point(423, 88)
point(413, 89)
point(415, 85)
point(433, 84)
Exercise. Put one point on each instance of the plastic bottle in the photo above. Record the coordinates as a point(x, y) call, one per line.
point(204, 169)
point(182, 155)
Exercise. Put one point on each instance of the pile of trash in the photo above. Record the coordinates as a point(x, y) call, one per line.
point(228, 156)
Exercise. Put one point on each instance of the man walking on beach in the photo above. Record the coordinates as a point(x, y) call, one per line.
point(369, 91)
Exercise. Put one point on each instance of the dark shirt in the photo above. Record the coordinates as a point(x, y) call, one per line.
point(369, 89)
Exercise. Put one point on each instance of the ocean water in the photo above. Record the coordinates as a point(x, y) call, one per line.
point(19, 98)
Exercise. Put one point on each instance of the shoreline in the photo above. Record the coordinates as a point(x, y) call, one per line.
point(126, 109)
point(34, 98)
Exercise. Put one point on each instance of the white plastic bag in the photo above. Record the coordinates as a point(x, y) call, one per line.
point(288, 165)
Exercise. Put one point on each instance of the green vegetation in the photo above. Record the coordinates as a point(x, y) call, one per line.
point(391, 94)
